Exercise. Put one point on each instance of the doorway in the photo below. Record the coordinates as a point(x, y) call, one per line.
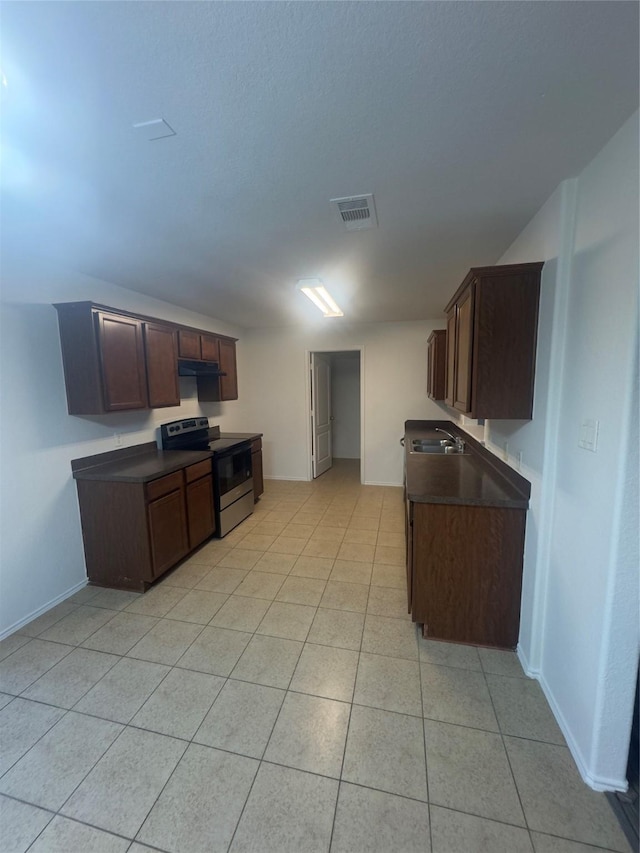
point(335, 411)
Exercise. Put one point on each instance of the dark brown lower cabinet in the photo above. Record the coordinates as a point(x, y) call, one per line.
point(464, 570)
point(409, 554)
point(200, 514)
point(167, 531)
point(134, 532)
point(256, 468)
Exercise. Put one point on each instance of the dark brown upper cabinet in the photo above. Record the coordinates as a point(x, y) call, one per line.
point(121, 351)
point(451, 356)
point(116, 361)
point(215, 389)
point(198, 347)
point(103, 358)
point(203, 347)
point(436, 364)
point(210, 348)
point(229, 382)
point(189, 344)
point(162, 365)
point(492, 324)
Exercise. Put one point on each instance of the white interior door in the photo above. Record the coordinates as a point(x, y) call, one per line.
point(320, 414)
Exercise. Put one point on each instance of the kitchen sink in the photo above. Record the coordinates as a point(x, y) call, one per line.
point(448, 450)
point(437, 446)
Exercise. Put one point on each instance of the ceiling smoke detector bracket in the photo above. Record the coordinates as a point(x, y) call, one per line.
point(356, 212)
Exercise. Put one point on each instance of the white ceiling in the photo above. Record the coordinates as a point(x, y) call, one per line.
point(461, 118)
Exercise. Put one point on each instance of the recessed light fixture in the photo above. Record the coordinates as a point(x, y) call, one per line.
point(321, 298)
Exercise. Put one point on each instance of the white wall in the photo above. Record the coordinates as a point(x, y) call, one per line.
point(41, 554)
point(393, 375)
point(579, 631)
point(345, 404)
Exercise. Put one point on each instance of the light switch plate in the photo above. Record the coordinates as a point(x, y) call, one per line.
point(589, 435)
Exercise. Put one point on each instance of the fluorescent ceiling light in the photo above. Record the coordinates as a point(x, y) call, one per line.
point(321, 298)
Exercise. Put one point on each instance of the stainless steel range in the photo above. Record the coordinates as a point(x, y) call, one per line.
point(232, 475)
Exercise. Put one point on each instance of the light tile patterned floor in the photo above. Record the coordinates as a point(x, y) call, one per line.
point(272, 695)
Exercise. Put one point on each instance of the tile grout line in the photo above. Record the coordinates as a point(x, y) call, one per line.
point(506, 752)
point(261, 760)
point(346, 739)
point(191, 741)
point(175, 665)
point(311, 773)
point(82, 823)
point(424, 742)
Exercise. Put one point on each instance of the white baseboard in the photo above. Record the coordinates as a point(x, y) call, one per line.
point(526, 666)
point(295, 479)
point(304, 480)
point(40, 610)
point(598, 783)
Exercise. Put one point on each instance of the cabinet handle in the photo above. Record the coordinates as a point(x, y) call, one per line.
point(402, 441)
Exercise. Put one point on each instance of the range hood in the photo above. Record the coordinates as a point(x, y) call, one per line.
point(198, 368)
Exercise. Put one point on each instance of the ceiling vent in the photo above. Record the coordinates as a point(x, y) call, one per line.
point(356, 212)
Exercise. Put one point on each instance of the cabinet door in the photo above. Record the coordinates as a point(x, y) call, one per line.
point(464, 351)
point(430, 366)
point(436, 364)
point(122, 360)
point(451, 357)
point(162, 365)
point(188, 344)
point(209, 348)
point(228, 383)
point(256, 469)
point(200, 510)
point(167, 531)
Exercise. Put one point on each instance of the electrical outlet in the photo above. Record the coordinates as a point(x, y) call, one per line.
point(505, 451)
point(117, 439)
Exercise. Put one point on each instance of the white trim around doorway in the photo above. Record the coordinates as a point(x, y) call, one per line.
point(307, 356)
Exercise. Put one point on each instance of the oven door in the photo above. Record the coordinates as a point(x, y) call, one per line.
point(232, 470)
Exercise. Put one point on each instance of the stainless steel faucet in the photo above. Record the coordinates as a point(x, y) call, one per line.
point(455, 438)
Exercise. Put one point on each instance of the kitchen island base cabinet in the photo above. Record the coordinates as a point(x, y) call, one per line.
point(465, 572)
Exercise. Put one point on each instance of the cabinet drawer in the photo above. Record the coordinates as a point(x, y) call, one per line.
point(164, 485)
point(200, 469)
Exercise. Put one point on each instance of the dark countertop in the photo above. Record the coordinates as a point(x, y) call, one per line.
point(139, 464)
point(475, 478)
point(241, 435)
